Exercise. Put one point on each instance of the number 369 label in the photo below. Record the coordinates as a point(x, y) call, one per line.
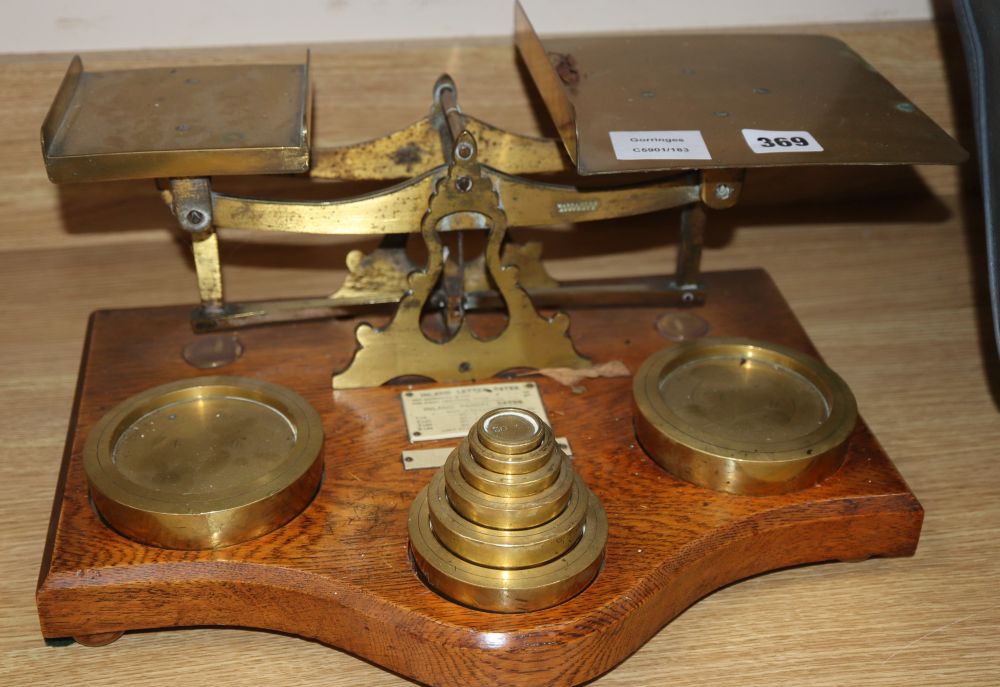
point(765, 141)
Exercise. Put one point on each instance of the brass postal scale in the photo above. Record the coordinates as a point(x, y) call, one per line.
point(213, 476)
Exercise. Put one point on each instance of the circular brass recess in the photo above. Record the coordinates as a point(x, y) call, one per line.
point(742, 416)
point(208, 351)
point(205, 463)
point(508, 540)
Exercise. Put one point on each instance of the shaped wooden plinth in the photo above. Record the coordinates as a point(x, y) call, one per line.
point(340, 572)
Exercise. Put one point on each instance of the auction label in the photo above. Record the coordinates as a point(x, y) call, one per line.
point(767, 141)
point(659, 145)
point(449, 412)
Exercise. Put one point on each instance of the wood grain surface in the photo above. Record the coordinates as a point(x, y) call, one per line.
point(339, 572)
point(891, 292)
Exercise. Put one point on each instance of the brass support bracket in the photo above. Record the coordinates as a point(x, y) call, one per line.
point(191, 203)
point(403, 349)
point(718, 189)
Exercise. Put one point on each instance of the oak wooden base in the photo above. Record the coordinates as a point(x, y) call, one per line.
point(340, 572)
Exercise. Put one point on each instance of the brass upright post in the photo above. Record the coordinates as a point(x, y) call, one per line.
point(191, 202)
point(692, 238)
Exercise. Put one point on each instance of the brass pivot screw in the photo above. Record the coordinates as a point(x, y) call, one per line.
point(507, 524)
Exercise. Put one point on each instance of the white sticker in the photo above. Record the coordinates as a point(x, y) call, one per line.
point(766, 141)
point(659, 145)
point(423, 458)
point(448, 412)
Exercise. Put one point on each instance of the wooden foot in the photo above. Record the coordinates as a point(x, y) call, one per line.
point(99, 639)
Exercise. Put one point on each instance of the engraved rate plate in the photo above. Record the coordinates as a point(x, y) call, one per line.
point(448, 412)
point(630, 103)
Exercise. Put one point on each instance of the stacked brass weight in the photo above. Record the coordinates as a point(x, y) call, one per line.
point(507, 524)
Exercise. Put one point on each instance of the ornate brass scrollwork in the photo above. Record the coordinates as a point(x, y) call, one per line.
point(402, 348)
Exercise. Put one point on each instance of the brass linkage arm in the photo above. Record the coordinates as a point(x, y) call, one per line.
point(534, 203)
point(399, 209)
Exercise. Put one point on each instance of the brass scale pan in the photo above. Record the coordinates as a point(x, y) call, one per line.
point(742, 416)
point(205, 463)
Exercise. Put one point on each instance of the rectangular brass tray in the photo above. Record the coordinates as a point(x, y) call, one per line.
point(720, 85)
point(178, 122)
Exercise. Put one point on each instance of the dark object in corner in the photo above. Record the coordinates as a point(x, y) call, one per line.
point(979, 24)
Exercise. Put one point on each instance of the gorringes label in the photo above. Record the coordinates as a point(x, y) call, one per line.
point(659, 145)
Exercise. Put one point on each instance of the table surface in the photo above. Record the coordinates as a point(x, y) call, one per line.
point(891, 289)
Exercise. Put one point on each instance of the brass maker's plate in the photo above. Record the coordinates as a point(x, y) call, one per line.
point(178, 122)
point(205, 463)
point(742, 416)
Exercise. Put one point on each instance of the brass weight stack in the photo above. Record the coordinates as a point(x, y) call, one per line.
point(507, 524)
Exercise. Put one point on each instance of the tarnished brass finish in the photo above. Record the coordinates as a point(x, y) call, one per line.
point(457, 174)
point(178, 122)
point(417, 149)
point(507, 484)
point(99, 128)
point(507, 590)
point(512, 433)
point(401, 348)
point(720, 188)
point(205, 249)
point(742, 416)
point(548, 71)
point(396, 210)
point(646, 291)
point(381, 279)
point(205, 463)
point(508, 552)
point(497, 547)
point(511, 464)
point(719, 85)
point(506, 512)
point(526, 257)
point(191, 203)
point(380, 276)
point(399, 209)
